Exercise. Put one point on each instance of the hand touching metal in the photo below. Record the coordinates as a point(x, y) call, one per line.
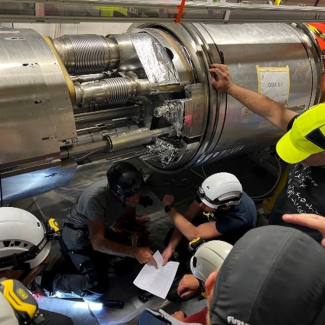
point(220, 77)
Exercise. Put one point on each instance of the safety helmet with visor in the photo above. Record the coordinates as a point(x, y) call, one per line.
point(220, 189)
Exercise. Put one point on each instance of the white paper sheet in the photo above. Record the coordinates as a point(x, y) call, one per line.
point(157, 281)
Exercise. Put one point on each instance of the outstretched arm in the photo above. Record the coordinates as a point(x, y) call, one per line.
point(176, 237)
point(206, 230)
point(257, 103)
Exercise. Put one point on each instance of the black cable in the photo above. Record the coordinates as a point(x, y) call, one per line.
point(260, 197)
point(30, 206)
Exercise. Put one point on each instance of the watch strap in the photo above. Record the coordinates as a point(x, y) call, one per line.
point(168, 208)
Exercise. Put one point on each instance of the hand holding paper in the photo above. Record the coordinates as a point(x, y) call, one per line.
point(157, 281)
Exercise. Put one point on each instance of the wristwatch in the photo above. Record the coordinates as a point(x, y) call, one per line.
point(168, 207)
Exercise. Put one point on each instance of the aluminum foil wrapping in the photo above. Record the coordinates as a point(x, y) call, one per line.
point(156, 63)
point(175, 114)
point(164, 150)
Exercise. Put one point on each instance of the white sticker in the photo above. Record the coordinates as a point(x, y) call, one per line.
point(274, 82)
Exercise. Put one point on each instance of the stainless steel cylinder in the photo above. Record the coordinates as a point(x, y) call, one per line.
point(285, 54)
point(128, 58)
point(177, 114)
point(36, 115)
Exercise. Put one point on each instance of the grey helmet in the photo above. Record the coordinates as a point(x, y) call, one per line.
point(208, 257)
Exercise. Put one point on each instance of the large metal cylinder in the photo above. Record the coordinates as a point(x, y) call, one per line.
point(36, 114)
point(147, 89)
point(287, 54)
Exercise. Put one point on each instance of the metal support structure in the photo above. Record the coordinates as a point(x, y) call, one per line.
point(74, 11)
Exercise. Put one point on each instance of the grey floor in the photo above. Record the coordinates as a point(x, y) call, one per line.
point(255, 180)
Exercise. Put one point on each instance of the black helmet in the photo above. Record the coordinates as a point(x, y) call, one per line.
point(124, 179)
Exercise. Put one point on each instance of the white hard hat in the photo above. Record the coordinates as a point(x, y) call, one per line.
point(208, 257)
point(220, 189)
point(20, 230)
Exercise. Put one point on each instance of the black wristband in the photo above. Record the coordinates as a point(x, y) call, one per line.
point(168, 208)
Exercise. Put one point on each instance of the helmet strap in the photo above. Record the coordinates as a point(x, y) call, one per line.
point(224, 207)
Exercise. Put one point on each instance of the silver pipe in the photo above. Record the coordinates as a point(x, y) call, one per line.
point(108, 114)
point(111, 91)
point(87, 54)
point(136, 138)
point(91, 77)
point(116, 143)
point(90, 147)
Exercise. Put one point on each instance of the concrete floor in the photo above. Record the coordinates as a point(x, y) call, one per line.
point(255, 180)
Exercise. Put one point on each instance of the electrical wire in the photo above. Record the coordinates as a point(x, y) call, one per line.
point(203, 172)
point(30, 206)
point(197, 174)
point(274, 186)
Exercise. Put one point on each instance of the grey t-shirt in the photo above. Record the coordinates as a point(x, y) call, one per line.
point(96, 203)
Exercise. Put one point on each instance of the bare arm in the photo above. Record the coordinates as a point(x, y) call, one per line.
point(206, 230)
point(107, 246)
point(183, 223)
point(257, 103)
point(176, 237)
point(192, 211)
point(189, 214)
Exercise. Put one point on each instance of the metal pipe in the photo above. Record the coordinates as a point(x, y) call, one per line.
point(91, 77)
point(136, 138)
point(87, 54)
point(116, 143)
point(108, 114)
point(111, 91)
